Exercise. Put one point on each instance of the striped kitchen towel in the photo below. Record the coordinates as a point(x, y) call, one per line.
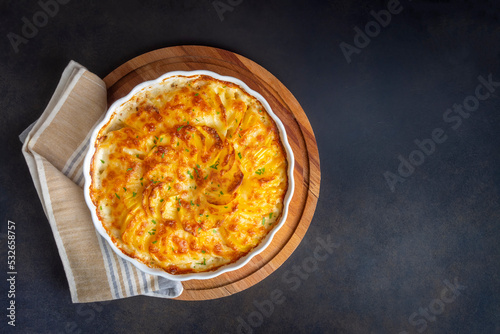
point(54, 148)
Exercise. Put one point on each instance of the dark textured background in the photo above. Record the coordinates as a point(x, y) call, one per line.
point(395, 249)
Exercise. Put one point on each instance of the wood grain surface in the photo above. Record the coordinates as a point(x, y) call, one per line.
point(300, 135)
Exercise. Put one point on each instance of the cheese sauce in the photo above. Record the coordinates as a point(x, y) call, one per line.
point(189, 174)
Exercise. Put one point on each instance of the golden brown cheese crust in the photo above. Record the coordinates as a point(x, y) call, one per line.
point(189, 175)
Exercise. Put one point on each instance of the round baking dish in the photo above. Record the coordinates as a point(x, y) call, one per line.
point(225, 268)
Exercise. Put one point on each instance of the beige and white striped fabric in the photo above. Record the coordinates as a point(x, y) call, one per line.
point(54, 148)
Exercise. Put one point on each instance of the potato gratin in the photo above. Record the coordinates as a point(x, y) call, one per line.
point(189, 174)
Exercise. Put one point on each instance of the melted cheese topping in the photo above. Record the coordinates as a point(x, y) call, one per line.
point(189, 174)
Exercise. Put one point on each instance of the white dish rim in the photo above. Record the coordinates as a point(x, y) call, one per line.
point(226, 268)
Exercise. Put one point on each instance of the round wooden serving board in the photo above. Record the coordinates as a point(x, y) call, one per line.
point(300, 136)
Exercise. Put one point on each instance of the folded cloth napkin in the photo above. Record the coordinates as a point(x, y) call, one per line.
point(54, 148)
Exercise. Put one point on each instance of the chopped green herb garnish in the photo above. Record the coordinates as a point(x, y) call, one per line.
point(214, 166)
point(102, 161)
point(162, 200)
point(203, 251)
point(203, 263)
point(190, 175)
point(179, 129)
point(133, 194)
point(163, 155)
point(270, 215)
point(192, 204)
point(124, 188)
point(196, 94)
point(169, 187)
point(263, 220)
point(100, 207)
point(154, 222)
point(239, 155)
point(260, 171)
point(154, 241)
point(117, 196)
point(186, 150)
point(137, 156)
